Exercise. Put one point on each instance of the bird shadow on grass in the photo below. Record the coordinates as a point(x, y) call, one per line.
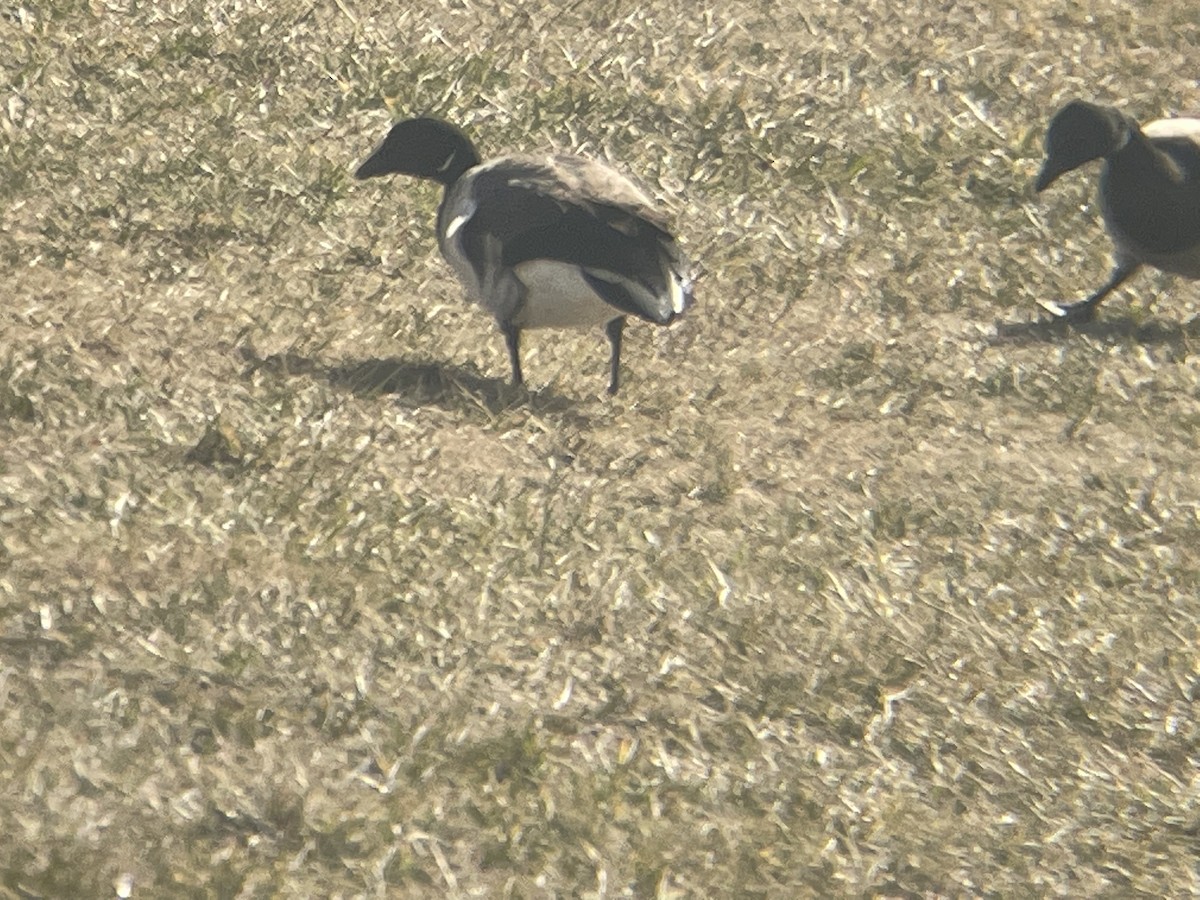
point(412, 383)
point(1111, 328)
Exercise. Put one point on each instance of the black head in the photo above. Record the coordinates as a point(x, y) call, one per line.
point(427, 148)
point(1079, 133)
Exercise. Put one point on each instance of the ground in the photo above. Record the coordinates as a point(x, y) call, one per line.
point(869, 582)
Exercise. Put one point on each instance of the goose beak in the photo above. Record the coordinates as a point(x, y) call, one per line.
point(375, 164)
point(1049, 174)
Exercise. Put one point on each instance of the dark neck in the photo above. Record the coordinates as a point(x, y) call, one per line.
point(465, 158)
point(1139, 155)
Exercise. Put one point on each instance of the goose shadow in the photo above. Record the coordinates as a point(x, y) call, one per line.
point(412, 383)
point(1111, 328)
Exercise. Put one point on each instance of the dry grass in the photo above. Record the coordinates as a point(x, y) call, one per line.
point(864, 585)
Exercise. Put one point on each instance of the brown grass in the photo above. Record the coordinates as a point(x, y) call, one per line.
point(866, 584)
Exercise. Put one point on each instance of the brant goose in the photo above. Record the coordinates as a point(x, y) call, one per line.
point(1149, 189)
point(543, 242)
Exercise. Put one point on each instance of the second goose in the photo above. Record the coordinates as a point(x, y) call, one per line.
point(1149, 189)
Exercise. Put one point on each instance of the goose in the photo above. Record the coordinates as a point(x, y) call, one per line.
point(543, 241)
point(1149, 190)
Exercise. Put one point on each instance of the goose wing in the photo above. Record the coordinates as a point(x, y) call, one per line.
point(1168, 220)
point(579, 212)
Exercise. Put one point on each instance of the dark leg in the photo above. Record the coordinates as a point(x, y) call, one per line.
point(614, 330)
point(512, 337)
point(1085, 310)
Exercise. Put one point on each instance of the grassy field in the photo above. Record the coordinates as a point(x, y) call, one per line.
point(868, 583)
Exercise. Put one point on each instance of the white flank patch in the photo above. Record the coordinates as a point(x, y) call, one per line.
point(1173, 128)
point(460, 220)
point(457, 223)
point(558, 296)
point(451, 246)
point(678, 283)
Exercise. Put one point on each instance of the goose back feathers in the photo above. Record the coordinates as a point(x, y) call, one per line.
point(1150, 196)
point(544, 242)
